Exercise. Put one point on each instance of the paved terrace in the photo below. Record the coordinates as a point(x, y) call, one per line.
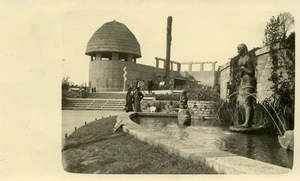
point(221, 161)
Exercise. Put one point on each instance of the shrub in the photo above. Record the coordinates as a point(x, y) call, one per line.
point(195, 92)
point(158, 106)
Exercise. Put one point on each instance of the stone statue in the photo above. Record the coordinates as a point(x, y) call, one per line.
point(184, 115)
point(183, 100)
point(248, 84)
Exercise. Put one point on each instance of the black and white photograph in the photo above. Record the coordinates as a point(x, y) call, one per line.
point(154, 90)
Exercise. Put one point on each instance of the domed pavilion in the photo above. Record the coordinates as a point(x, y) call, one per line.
point(113, 49)
point(113, 41)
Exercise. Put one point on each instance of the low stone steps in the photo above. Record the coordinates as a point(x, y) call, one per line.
point(113, 109)
point(106, 95)
point(94, 104)
point(199, 109)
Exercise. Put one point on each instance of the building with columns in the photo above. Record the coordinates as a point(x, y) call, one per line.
point(114, 54)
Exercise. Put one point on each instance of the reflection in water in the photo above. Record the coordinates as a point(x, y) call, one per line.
point(259, 147)
point(255, 146)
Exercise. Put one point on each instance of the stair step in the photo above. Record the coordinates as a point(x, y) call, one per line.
point(107, 108)
point(113, 107)
point(91, 108)
point(113, 104)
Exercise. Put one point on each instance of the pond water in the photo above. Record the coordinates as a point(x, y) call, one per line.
point(262, 147)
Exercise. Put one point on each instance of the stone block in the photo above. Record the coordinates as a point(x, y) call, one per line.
point(242, 165)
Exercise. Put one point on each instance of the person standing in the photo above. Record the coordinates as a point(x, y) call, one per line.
point(136, 83)
point(140, 85)
point(171, 84)
point(129, 100)
point(247, 85)
point(150, 84)
point(137, 97)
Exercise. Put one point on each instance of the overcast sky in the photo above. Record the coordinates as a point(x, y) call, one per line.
point(201, 30)
point(37, 35)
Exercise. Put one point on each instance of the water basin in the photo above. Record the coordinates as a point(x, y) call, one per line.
point(262, 147)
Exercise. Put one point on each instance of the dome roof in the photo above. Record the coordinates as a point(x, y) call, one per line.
point(113, 37)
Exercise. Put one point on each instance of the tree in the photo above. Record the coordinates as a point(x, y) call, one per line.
point(277, 28)
point(65, 83)
point(286, 23)
point(282, 51)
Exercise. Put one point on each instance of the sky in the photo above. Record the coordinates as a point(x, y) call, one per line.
point(201, 30)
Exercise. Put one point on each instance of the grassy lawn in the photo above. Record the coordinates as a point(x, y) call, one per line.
point(94, 149)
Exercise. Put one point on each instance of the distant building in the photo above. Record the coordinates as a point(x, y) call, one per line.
point(114, 51)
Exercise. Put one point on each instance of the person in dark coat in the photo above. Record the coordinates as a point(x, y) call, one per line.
point(129, 100)
point(150, 84)
point(136, 83)
point(137, 97)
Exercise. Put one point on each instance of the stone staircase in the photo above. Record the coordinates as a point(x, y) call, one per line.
point(106, 95)
point(203, 110)
point(93, 104)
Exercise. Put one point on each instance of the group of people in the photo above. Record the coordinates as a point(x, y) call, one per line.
point(133, 100)
point(134, 95)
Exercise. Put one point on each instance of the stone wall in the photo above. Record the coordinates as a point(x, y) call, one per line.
point(224, 76)
point(107, 75)
point(263, 71)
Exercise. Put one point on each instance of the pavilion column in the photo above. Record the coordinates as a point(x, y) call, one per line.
point(130, 58)
point(98, 56)
point(213, 66)
point(157, 63)
point(190, 68)
point(171, 67)
point(115, 56)
point(201, 67)
point(178, 67)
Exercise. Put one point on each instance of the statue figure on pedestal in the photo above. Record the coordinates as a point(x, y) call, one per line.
point(184, 115)
point(248, 84)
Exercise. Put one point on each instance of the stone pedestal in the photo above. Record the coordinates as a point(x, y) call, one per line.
point(184, 117)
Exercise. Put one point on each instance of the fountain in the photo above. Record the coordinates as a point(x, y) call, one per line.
point(285, 137)
point(207, 138)
point(225, 150)
point(245, 98)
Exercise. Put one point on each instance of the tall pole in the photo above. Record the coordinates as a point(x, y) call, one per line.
point(168, 53)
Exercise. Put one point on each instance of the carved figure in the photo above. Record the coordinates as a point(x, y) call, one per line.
point(184, 115)
point(248, 84)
